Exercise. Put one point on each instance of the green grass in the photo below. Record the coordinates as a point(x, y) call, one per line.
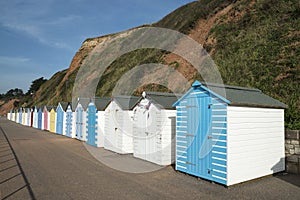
point(259, 50)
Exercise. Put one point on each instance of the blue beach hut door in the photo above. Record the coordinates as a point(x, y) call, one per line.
point(199, 134)
point(91, 125)
point(59, 121)
point(69, 122)
point(40, 116)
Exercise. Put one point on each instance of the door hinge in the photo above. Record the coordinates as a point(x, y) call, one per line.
point(189, 135)
point(189, 163)
point(190, 106)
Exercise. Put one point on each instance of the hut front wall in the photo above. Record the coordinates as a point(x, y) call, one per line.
point(80, 130)
point(255, 143)
point(35, 119)
point(118, 129)
point(68, 122)
point(154, 134)
point(8, 116)
point(24, 118)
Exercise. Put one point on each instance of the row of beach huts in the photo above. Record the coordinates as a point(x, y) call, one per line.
point(222, 133)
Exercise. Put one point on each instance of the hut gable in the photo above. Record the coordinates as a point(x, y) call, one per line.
point(101, 103)
point(83, 102)
point(163, 100)
point(126, 102)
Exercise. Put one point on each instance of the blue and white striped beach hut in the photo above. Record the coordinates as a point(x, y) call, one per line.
point(229, 134)
point(95, 121)
point(80, 118)
point(60, 115)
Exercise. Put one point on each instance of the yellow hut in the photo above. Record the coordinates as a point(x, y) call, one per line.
point(52, 120)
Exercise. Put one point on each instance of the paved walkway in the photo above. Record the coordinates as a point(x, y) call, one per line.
point(36, 164)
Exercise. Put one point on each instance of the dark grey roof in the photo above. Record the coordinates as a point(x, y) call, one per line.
point(163, 100)
point(48, 108)
point(126, 102)
point(64, 105)
point(84, 103)
point(241, 96)
point(101, 102)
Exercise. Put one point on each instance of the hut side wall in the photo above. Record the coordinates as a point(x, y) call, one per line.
point(255, 143)
point(100, 129)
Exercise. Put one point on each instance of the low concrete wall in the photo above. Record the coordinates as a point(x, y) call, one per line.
point(292, 151)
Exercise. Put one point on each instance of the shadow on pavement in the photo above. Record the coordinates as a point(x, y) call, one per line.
point(290, 178)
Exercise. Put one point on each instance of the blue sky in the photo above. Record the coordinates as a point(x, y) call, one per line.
point(40, 37)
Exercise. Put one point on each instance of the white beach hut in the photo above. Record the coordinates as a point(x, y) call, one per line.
point(118, 124)
point(154, 128)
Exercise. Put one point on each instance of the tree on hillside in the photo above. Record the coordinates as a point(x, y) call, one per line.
point(12, 93)
point(35, 85)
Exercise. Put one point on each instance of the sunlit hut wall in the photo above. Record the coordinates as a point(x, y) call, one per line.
point(118, 124)
point(154, 121)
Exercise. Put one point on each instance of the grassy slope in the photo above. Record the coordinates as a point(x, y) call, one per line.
point(260, 48)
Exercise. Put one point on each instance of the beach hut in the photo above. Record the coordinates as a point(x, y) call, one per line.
point(23, 116)
point(95, 121)
point(35, 117)
point(52, 122)
point(68, 122)
point(28, 116)
point(20, 113)
point(154, 128)
point(46, 117)
point(80, 118)
point(118, 124)
point(40, 117)
point(16, 115)
point(60, 115)
point(12, 115)
point(9, 115)
point(229, 134)
point(31, 116)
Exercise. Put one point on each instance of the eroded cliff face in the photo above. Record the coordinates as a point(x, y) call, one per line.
point(87, 46)
point(6, 107)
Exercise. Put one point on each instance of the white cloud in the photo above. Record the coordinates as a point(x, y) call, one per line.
point(13, 61)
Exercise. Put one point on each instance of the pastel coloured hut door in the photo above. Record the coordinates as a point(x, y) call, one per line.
point(52, 121)
point(140, 133)
point(91, 137)
point(31, 118)
point(69, 123)
point(59, 121)
point(40, 119)
point(45, 120)
point(198, 135)
point(153, 136)
point(79, 123)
